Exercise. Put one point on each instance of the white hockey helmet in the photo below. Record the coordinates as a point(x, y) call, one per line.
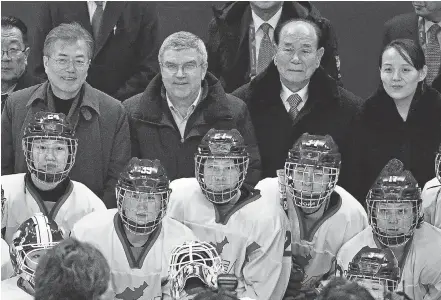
point(34, 234)
point(193, 259)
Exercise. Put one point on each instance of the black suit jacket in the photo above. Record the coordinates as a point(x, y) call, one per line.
point(228, 41)
point(126, 52)
point(406, 27)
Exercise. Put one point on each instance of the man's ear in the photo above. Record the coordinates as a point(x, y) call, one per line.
point(320, 53)
point(26, 54)
point(204, 70)
point(45, 62)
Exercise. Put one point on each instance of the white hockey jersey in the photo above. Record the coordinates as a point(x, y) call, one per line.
point(11, 291)
point(144, 278)
point(23, 202)
point(7, 269)
point(431, 196)
point(315, 250)
point(252, 239)
point(421, 270)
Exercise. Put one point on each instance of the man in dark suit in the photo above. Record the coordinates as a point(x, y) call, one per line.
point(239, 30)
point(125, 33)
point(15, 51)
point(295, 95)
point(423, 26)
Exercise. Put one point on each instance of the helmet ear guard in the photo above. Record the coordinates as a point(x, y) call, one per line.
point(36, 233)
point(193, 259)
point(394, 186)
point(48, 126)
point(225, 147)
point(144, 183)
point(312, 169)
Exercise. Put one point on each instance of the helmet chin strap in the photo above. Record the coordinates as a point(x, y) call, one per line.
point(326, 203)
point(43, 185)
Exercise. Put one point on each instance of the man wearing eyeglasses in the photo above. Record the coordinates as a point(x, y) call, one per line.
point(15, 51)
point(180, 105)
point(99, 121)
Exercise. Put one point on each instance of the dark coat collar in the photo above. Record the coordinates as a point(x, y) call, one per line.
point(379, 107)
point(321, 86)
point(214, 102)
point(90, 99)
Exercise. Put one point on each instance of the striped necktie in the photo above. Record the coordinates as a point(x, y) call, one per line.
point(433, 53)
point(294, 101)
point(266, 49)
point(97, 19)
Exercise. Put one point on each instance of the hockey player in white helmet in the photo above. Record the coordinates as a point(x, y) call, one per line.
point(323, 216)
point(248, 231)
point(396, 223)
point(49, 147)
point(431, 195)
point(29, 243)
point(137, 238)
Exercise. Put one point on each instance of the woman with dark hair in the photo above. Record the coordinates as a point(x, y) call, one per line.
point(401, 120)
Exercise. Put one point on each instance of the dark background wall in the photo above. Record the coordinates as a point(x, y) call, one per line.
point(359, 27)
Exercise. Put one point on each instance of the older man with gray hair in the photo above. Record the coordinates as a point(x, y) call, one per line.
point(180, 105)
point(99, 121)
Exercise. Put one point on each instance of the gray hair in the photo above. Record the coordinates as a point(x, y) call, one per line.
point(183, 40)
point(72, 33)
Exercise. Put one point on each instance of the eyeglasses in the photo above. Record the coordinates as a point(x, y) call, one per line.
point(13, 52)
point(63, 63)
point(186, 68)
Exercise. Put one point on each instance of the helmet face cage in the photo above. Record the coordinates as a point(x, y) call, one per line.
point(142, 194)
point(45, 142)
point(233, 175)
point(388, 202)
point(221, 164)
point(193, 259)
point(403, 232)
point(438, 165)
point(35, 144)
point(33, 235)
point(312, 170)
point(146, 222)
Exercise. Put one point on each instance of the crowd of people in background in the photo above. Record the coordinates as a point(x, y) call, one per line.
point(235, 168)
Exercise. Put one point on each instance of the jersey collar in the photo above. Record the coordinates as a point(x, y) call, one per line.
point(133, 262)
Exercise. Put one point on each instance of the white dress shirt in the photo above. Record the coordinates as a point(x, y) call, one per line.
point(259, 32)
point(91, 6)
point(181, 121)
point(286, 92)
